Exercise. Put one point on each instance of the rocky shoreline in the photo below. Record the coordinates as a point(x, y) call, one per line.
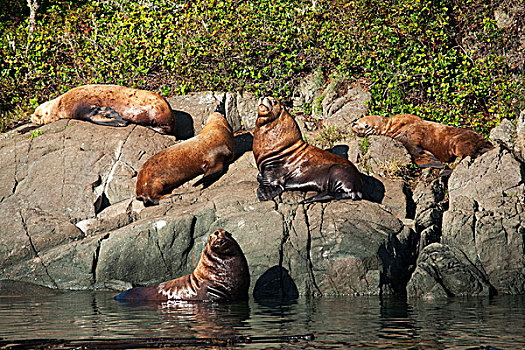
point(69, 220)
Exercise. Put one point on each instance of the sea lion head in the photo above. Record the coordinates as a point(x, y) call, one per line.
point(369, 125)
point(222, 243)
point(216, 120)
point(269, 108)
point(43, 114)
point(224, 268)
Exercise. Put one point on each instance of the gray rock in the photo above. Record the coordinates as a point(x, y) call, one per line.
point(348, 108)
point(307, 89)
point(341, 103)
point(69, 220)
point(192, 110)
point(505, 133)
point(445, 272)
point(341, 247)
point(520, 134)
point(385, 156)
point(486, 217)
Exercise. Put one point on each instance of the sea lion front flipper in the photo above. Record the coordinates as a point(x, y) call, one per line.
point(266, 193)
point(320, 197)
point(214, 293)
point(425, 159)
point(105, 116)
point(328, 196)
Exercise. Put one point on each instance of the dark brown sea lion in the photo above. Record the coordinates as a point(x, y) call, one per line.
point(431, 144)
point(286, 162)
point(112, 105)
point(221, 275)
point(206, 153)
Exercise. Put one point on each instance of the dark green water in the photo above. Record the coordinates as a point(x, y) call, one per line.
point(337, 323)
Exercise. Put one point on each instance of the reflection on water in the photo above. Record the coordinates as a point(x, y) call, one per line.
point(342, 322)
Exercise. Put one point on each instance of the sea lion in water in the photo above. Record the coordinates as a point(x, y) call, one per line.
point(430, 143)
point(111, 105)
point(286, 162)
point(221, 275)
point(206, 153)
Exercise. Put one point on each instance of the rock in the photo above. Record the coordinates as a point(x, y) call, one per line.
point(503, 20)
point(505, 133)
point(107, 239)
point(486, 217)
point(430, 203)
point(24, 289)
point(445, 272)
point(69, 220)
point(307, 89)
point(342, 111)
point(520, 131)
point(193, 110)
point(386, 157)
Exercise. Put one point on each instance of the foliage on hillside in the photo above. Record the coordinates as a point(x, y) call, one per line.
point(445, 60)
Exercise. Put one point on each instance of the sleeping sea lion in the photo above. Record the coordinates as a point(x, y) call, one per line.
point(286, 162)
point(221, 275)
point(430, 143)
point(112, 105)
point(206, 153)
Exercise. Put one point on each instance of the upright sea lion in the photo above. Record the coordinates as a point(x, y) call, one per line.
point(430, 143)
point(112, 105)
point(221, 275)
point(286, 162)
point(206, 153)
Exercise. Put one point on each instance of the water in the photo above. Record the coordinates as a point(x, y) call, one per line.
point(336, 322)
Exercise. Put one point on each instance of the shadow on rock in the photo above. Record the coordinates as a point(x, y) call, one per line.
point(340, 150)
point(275, 287)
point(373, 189)
point(184, 123)
point(243, 143)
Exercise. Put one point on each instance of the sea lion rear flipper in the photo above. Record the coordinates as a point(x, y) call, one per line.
point(105, 116)
point(426, 159)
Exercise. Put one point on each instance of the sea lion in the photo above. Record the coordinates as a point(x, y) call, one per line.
point(221, 275)
point(206, 153)
point(431, 144)
point(286, 162)
point(112, 105)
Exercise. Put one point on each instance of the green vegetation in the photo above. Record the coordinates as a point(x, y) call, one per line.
point(328, 137)
point(444, 60)
point(365, 146)
point(35, 134)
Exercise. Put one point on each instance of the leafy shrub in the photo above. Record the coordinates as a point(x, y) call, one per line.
point(445, 60)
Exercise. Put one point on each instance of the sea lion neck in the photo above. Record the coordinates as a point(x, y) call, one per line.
point(276, 135)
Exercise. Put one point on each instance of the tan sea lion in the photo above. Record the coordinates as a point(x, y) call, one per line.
point(221, 275)
point(112, 105)
point(206, 153)
point(286, 162)
point(430, 143)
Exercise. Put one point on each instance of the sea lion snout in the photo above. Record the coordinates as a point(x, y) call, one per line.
point(264, 105)
point(268, 107)
point(219, 236)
